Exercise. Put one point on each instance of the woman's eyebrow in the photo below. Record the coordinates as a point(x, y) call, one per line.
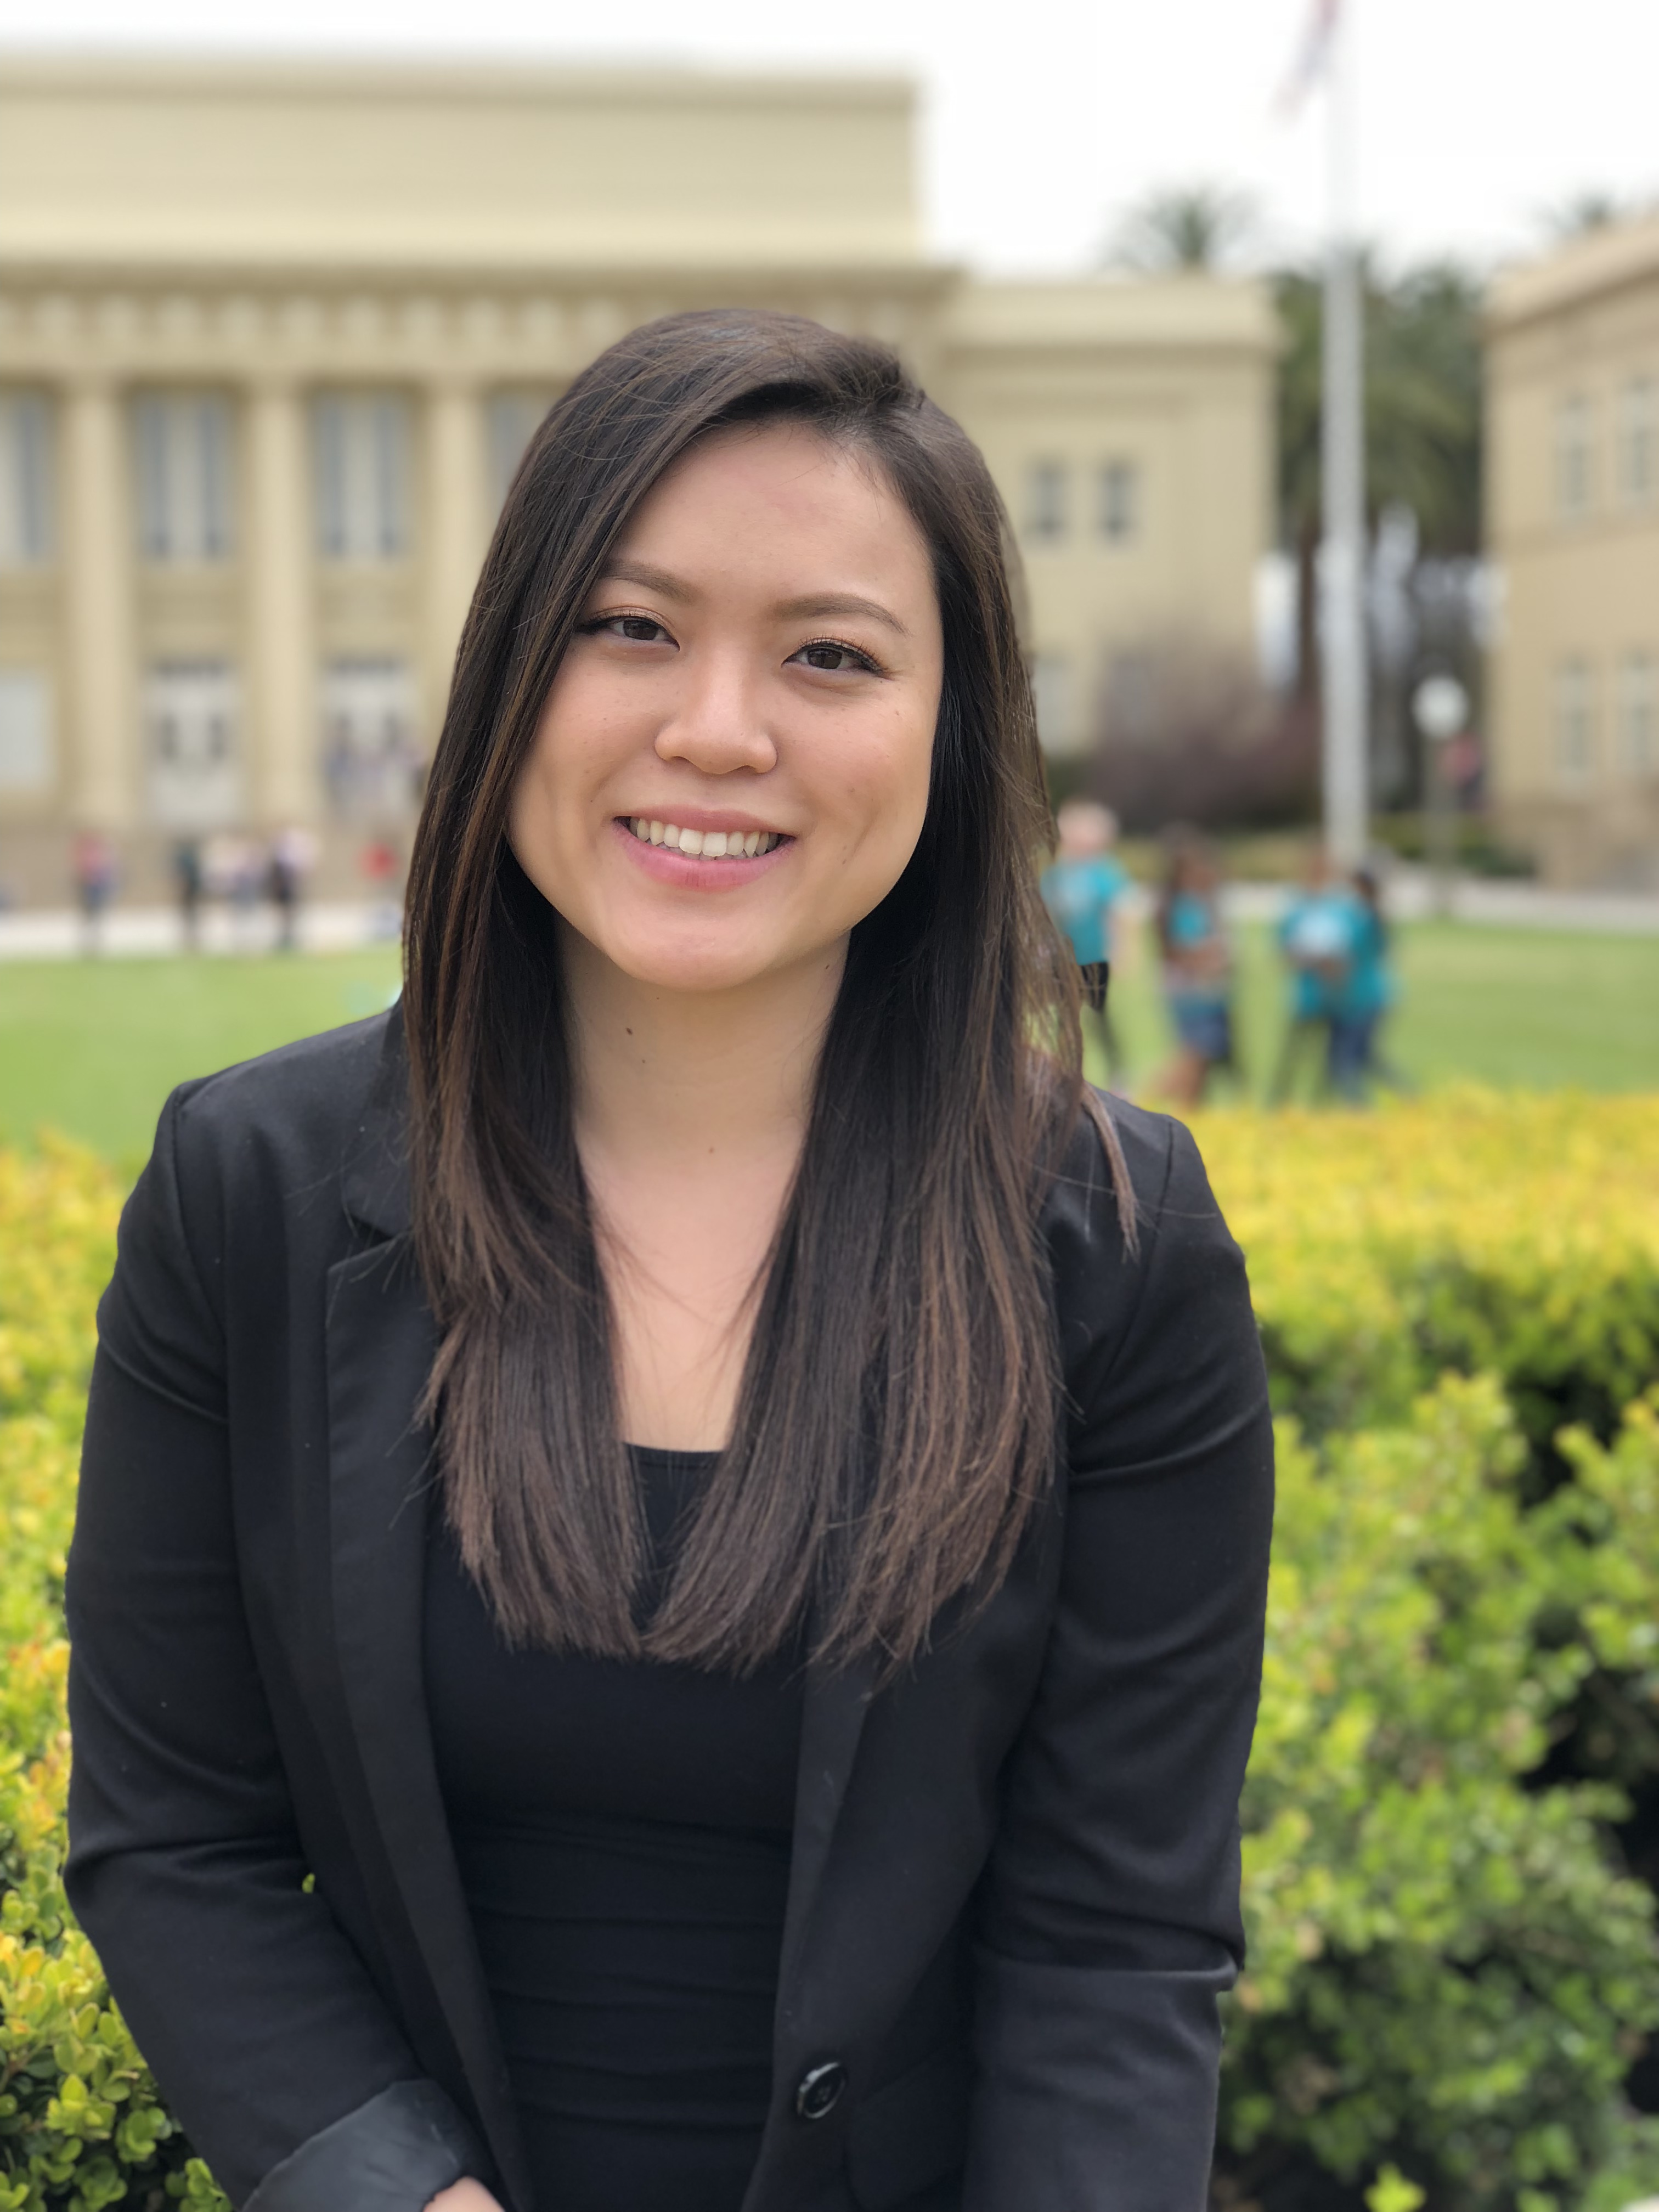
point(815, 606)
point(661, 580)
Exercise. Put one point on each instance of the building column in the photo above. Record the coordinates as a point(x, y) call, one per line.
point(455, 529)
point(100, 615)
point(287, 785)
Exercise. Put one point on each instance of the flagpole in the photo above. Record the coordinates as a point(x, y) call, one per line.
point(1342, 553)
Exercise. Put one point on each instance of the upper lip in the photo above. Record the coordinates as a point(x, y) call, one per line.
point(705, 818)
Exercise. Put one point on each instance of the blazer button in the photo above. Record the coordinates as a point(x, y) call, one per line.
point(818, 2091)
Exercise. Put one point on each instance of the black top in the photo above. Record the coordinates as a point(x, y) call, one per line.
point(623, 1836)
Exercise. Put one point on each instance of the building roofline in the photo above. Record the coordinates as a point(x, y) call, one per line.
point(1604, 260)
point(457, 77)
point(472, 273)
point(1073, 314)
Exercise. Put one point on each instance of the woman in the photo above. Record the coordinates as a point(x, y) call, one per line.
point(1198, 970)
point(1368, 992)
point(667, 1604)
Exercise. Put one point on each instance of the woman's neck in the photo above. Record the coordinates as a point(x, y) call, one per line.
point(690, 1113)
point(674, 1076)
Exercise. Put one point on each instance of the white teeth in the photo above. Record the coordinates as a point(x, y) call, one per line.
point(712, 844)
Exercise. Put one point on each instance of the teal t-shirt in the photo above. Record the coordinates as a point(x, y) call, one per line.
point(1080, 896)
point(1320, 926)
point(1189, 923)
point(1370, 985)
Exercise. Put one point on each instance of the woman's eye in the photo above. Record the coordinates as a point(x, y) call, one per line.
point(636, 630)
point(836, 660)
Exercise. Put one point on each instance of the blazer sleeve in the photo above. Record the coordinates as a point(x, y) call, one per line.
point(1111, 1923)
point(251, 2006)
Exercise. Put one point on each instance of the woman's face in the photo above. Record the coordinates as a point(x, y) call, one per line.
point(731, 767)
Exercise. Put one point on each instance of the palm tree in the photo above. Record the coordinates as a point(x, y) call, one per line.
point(1579, 214)
point(1185, 227)
point(1422, 414)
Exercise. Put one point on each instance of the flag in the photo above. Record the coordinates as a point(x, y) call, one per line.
point(1310, 60)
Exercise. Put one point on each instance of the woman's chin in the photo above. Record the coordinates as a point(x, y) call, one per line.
point(703, 972)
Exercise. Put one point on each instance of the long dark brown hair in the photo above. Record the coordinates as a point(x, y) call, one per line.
point(896, 1420)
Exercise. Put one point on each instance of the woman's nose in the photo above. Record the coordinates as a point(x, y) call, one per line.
point(720, 726)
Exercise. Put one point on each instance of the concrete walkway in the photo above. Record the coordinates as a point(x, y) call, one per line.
point(150, 933)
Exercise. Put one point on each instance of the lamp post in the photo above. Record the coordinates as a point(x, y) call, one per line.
point(1440, 708)
point(1342, 464)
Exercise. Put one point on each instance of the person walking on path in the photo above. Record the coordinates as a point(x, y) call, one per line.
point(293, 856)
point(190, 879)
point(94, 884)
point(1364, 998)
point(1317, 935)
point(1082, 889)
point(638, 1643)
point(1198, 970)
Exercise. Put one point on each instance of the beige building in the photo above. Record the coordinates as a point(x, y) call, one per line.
point(1573, 526)
point(272, 338)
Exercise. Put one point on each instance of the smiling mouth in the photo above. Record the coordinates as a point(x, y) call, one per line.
point(705, 844)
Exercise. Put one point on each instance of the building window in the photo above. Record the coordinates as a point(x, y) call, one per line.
point(362, 444)
point(183, 449)
point(371, 761)
point(1639, 716)
point(1639, 441)
point(25, 730)
point(1575, 722)
point(191, 721)
point(513, 419)
point(1046, 502)
point(25, 479)
point(1117, 492)
point(1051, 696)
point(1574, 457)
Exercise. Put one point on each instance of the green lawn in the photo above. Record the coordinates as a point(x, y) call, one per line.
point(1526, 1008)
point(92, 1048)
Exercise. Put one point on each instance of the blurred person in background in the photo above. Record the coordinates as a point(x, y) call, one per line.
point(379, 862)
point(190, 881)
point(1082, 889)
point(293, 856)
point(234, 867)
point(1364, 997)
point(1317, 934)
point(1198, 968)
point(94, 884)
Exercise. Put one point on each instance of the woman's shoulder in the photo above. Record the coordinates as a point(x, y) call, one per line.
point(1130, 1199)
point(291, 1121)
point(318, 1085)
point(258, 1172)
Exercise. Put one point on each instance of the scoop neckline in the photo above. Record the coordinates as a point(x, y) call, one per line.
point(672, 1455)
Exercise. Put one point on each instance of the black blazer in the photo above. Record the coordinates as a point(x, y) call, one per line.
point(1014, 1894)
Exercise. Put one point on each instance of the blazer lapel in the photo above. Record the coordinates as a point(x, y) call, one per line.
point(832, 1721)
point(380, 1348)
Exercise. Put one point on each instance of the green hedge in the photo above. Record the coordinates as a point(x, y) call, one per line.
point(1450, 1970)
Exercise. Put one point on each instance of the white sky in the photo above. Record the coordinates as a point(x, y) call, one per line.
point(1043, 119)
